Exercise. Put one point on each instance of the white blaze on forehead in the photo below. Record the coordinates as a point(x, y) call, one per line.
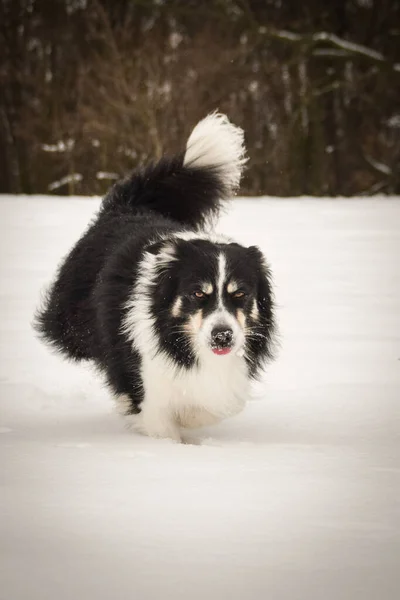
point(221, 277)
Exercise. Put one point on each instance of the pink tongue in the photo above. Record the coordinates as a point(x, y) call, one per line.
point(221, 351)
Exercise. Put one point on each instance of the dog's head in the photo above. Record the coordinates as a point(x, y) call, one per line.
point(210, 299)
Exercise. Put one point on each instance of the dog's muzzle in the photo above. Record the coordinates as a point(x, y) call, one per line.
point(221, 339)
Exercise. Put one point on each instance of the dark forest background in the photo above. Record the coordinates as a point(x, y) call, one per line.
point(89, 89)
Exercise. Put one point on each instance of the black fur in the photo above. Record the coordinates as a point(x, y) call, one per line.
point(188, 195)
point(197, 261)
point(85, 308)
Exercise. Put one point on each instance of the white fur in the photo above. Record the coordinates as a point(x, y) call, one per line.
point(221, 278)
point(123, 404)
point(214, 238)
point(209, 236)
point(194, 398)
point(176, 397)
point(217, 143)
point(138, 323)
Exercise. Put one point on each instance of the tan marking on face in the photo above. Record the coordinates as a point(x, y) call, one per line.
point(254, 311)
point(232, 287)
point(176, 308)
point(241, 317)
point(195, 322)
point(207, 288)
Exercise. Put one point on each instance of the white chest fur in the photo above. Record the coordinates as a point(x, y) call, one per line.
point(216, 389)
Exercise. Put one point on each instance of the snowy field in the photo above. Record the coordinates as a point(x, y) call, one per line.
point(296, 498)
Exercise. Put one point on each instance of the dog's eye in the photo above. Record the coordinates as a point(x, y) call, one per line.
point(199, 294)
point(238, 294)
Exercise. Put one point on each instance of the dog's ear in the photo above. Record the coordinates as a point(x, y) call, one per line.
point(261, 346)
point(164, 251)
point(255, 254)
point(157, 247)
point(265, 300)
point(165, 283)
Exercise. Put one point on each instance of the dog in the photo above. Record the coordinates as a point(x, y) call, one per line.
point(179, 319)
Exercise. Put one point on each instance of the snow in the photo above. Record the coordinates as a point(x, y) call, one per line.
point(60, 146)
point(379, 166)
point(323, 36)
point(106, 175)
point(394, 122)
point(330, 38)
point(72, 178)
point(295, 498)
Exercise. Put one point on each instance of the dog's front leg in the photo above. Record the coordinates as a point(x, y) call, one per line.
point(157, 417)
point(158, 421)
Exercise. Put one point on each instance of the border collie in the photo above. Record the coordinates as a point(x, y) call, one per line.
point(178, 319)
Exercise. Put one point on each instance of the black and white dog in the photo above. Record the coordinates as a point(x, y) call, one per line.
point(178, 319)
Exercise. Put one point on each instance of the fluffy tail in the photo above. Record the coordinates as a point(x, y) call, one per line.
point(189, 187)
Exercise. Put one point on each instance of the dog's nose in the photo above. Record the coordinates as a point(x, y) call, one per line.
point(222, 336)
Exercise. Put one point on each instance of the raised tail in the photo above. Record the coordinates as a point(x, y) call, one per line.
point(191, 186)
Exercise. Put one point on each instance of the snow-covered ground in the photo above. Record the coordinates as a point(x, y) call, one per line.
point(296, 498)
